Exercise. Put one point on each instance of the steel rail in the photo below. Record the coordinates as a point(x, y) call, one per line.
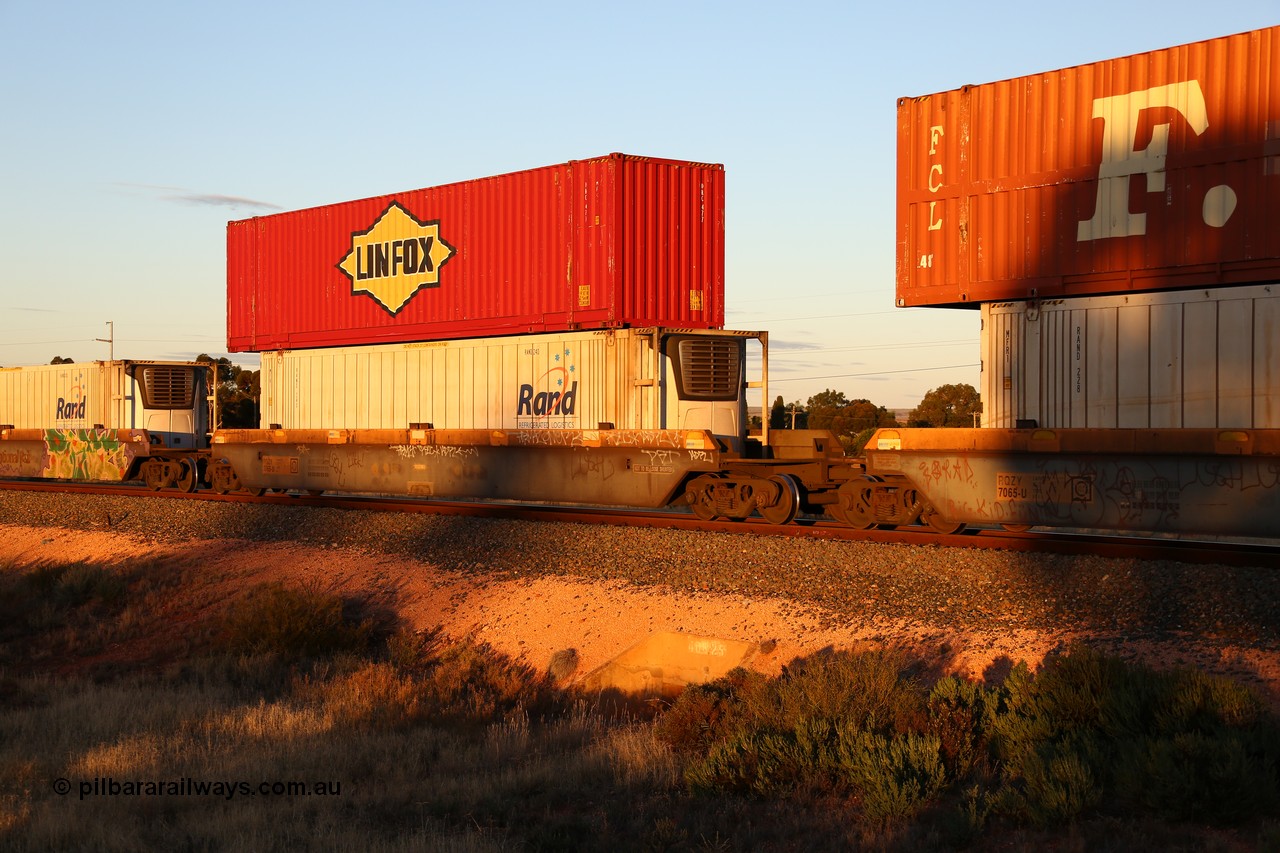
point(1082, 543)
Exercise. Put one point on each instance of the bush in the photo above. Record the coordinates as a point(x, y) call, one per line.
point(959, 715)
point(894, 776)
point(1210, 778)
point(294, 624)
point(1090, 729)
point(1086, 734)
point(706, 713)
point(834, 722)
point(469, 682)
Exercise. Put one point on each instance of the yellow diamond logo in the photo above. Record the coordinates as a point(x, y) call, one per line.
point(395, 258)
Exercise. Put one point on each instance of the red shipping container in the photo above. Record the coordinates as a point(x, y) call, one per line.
point(1157, 171)
point(603, 243)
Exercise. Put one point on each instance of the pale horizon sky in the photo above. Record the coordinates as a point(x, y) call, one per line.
point(135, 131)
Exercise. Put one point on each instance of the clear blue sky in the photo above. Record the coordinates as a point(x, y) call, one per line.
point(134, 131)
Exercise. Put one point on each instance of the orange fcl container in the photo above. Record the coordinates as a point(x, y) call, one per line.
point(1152, 172)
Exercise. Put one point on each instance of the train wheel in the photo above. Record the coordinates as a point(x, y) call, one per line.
point(855, 506)
point(152, 474)
point(701, 496)
point(157, 474)
point(188, 475)
point(937, 523)
point(222, 477)
point(1016, 528)
point(785, 509)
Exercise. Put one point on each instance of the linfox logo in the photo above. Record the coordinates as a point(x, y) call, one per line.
point(560, 399)
point(1121, 158)
point(396, 257)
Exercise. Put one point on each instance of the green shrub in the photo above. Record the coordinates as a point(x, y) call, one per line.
point(1214, 778)
point(1198, 701)
point(837, 721)
point(765, 763)
point(719, 710)
point(471, 682)
point(1086, 734)
point(1057, 786)
point(1090, 729)
point(959, 715)
point(293, 623)
point(894, 776)
point(876, 690)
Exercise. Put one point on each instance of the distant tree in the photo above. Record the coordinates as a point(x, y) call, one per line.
point(947, 406)
point(238, 392)
point(852, 421)
point(57, 359)
point(824, 407)
point(778, 414)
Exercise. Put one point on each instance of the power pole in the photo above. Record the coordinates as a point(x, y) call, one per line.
point(110, 341)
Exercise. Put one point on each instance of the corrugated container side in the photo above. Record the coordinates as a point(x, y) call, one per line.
point(563, 381)
point(611, 242)
point(572, 380)
point(1150, 172)
point(62, 396)
point(1197, 358)
point(557, 381)
point(109, 394)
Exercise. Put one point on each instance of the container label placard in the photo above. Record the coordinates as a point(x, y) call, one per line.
point(1012, 487)
point(395, 258)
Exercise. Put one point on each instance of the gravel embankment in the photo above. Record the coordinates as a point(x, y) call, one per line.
point(972, 590)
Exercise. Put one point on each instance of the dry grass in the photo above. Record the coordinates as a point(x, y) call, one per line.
point(410, 742)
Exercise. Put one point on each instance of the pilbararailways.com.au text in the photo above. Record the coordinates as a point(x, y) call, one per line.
point(107, 786)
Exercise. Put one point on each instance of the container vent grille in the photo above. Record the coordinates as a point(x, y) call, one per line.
point(709, 368)
point(168, 387)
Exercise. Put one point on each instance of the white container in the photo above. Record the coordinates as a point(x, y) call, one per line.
point(1194, 358)
point(635, 379)
point(166, 398)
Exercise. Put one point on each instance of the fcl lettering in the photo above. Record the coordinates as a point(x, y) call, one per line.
point(395, 257)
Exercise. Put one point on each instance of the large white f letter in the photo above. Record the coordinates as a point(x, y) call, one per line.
point(1120, 159)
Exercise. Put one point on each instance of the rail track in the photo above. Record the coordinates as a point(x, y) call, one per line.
point(1224, 552)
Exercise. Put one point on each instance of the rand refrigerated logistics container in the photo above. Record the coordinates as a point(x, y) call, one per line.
point(164, 398)
point(631, 379)
point(613, 416)
point(1193, 359)
point(1156, 171)
point(99, 420)
point(610, 242)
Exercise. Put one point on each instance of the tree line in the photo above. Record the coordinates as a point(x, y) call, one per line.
point(854, 421)
point(238, 392)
